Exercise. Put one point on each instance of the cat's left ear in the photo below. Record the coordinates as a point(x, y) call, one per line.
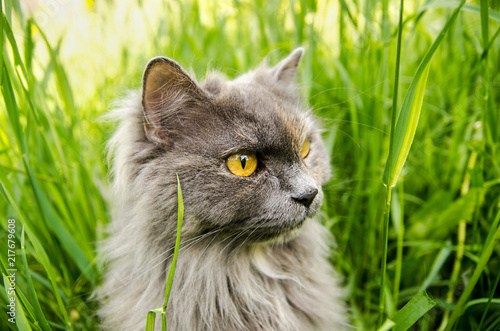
point(167, 91)
point(285, 70)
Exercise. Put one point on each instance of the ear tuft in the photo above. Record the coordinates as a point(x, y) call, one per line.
point(286, 69)
point(166, 89)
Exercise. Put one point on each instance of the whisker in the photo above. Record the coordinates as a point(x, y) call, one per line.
point(359, 123)
point(236, 236)
point(361, 92)
point(186, 246)
point(191, 240)
point(352, 138)
point(248, 237)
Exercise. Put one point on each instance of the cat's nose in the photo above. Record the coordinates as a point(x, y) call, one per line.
point(306, 197)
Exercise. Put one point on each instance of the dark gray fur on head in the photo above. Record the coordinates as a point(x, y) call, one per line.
point(252, 257)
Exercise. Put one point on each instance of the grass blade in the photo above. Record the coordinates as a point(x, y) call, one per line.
point(151, 319)
point(406, 127)
point(484, 23)
point(12, 110)
point(438, 263)
point(31, 289)
point(388, 325)
point(20, 318)
point(418, 306)
point(409, 114)
point(180, 217)
point(494, 15)
point(15, 51)
point(394, 116)
point(490, 300)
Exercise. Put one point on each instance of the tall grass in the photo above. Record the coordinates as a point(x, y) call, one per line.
point(61, 68)
point(403, 131)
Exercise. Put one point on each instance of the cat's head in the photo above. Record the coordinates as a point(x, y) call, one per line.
point(249, 156)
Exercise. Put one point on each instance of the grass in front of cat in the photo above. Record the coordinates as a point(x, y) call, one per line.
point(151, 318)
point(443, 231)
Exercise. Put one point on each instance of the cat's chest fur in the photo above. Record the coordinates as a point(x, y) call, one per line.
point(283, 287)
point(251, 164)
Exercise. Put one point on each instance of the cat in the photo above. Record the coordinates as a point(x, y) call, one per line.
point(251, 162)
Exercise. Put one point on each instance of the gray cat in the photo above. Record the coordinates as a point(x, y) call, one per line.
point(251, 163)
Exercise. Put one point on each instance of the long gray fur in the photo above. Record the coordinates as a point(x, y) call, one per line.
point(252, 257)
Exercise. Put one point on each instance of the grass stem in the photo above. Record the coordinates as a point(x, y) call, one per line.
point(394, 116)
point(389, 159)
point(399, 248)
point(170, 279)
point(384, 255)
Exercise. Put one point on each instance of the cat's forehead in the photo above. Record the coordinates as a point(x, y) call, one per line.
point(260, 115)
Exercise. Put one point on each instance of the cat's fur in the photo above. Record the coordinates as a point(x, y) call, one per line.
point(252, 257)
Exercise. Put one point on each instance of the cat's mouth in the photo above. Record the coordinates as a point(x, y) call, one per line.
point(277, 230)
point(270, 229)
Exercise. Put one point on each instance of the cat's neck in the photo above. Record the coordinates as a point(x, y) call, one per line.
point(258, 286)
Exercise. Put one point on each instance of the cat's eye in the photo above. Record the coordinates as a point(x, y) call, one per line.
point(242, 164)
point(305, 149)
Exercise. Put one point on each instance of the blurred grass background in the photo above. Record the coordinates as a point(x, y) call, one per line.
point(63, 63)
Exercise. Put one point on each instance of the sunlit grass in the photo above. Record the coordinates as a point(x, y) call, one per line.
point(62, 70)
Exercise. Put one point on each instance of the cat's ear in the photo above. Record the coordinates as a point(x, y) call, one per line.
point(285, 70)
point(166, 89)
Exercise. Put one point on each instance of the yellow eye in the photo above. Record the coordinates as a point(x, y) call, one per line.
point(305, 149)
point(242, 164)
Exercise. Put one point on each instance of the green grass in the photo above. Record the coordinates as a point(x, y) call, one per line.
point(150, 322)
point(60, 73)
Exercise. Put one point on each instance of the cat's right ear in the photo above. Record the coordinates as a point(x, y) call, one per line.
point(166, 90)
point(284, 72)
